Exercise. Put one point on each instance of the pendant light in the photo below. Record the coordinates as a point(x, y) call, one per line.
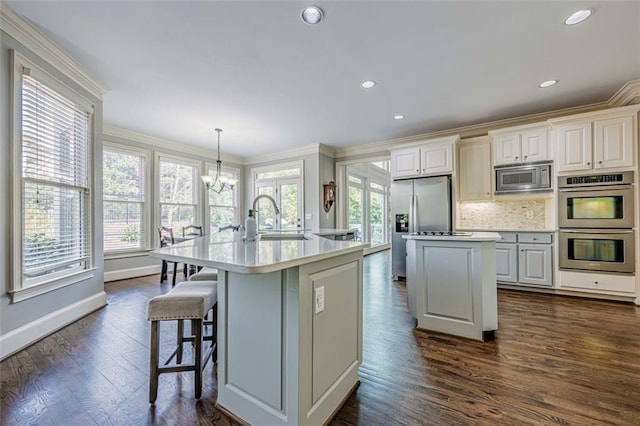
point(218, 183)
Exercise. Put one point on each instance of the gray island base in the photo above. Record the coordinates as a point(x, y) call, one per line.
point(289, 324)
point(451, 283)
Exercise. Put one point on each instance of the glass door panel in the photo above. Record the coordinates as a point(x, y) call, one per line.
point(377, 219)
point(266, 216)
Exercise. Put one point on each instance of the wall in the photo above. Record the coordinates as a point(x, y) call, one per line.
point(327, 174)
point(505, 214)
point(26, 321)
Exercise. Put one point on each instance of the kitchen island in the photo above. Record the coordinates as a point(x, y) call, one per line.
point(289, 323)
point(451, 283)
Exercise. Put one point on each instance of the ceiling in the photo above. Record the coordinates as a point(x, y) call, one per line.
point(179, 69)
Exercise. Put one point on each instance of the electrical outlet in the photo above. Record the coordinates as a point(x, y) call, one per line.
point(308, 216)
point(319, 300)
point(529, 214)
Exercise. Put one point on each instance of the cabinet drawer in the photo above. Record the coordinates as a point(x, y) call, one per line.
point(597, 282)
point(508, 237)
point(535, 238)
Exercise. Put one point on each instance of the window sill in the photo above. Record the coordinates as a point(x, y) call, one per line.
point(125, 254)
point(46, 287)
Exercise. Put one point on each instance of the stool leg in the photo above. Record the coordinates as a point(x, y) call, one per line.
point(198, 356)
point(180, 341)
point(175, 268)
point(153, 362)
point(163, 271)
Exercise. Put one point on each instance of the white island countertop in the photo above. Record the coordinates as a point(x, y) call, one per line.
point(462, 236)
point(228, 251)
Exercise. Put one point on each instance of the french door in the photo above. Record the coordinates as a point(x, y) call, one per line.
point(287, 194)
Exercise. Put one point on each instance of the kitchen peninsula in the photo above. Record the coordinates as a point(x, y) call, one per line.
point(451, 282)
point(289, 323)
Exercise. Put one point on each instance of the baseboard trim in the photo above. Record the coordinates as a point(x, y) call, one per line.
point(28, 334)
point(125, 274)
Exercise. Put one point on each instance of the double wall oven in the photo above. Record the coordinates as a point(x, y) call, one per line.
point(596, 219)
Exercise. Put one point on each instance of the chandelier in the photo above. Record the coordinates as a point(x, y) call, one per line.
point(218, 183)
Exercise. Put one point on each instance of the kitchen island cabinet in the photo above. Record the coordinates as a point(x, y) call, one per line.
point(289, 323)
point(451, 283)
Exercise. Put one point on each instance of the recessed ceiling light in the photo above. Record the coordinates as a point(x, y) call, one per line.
point(578, 17)
point(547, 83)
point(368, 84)
point(312, 15)
point(398, 117)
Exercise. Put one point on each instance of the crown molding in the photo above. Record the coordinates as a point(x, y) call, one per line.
point(626, 94)
point(292, 153)
point(109, 130)
point(30, 37)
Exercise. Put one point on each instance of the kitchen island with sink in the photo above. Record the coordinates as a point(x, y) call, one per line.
point(289, 323)
point(451, 282)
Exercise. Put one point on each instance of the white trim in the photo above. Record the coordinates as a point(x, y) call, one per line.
point(28, 35)
point(28, 334)
point(598, 115)
point(124, 254)
point(124, 274)
point(286, 155)
point(24, 293)
point(157, 142)
point(626, 94)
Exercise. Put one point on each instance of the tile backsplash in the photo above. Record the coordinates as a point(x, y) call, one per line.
point(503, 214)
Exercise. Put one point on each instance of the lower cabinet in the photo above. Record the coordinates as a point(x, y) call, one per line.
point(525, 259)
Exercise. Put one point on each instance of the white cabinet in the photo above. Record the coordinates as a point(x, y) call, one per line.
point(597, 283)
point(475, 171)
point(523, 144)
point(603, 142)
point(534, 264)
point(430, 158)
point(525, 258)
point(507, 262)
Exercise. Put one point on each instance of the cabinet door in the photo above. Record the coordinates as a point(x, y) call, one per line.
point(507, 149)
point(534, 264)
point(474, 160)
point(535, 146)
point(437, 159)
point(613, 142)
point(574, 146)
point(405, 162)
point(506, 263)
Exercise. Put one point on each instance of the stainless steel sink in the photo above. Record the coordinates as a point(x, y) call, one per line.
point(280, 237)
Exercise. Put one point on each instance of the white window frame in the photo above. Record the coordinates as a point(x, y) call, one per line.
point(18, 289)
point(274, 168)
point(197, 188)
point(211, 170)
point(146, 208)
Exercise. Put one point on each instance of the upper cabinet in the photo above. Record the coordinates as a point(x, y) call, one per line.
point(474, 169)
point(602, 140)
point(522, 144)
point(429, 158)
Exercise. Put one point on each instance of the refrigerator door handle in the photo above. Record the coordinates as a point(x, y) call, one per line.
point(412, 214)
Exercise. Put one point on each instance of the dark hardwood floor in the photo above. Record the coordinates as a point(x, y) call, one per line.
point(554, 360)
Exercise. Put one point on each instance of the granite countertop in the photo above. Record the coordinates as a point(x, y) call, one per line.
point(504, 230)
point(473, 236)
point(332, 231)
point(229, 252)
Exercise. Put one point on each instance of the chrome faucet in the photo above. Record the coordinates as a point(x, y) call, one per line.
point(270, 198)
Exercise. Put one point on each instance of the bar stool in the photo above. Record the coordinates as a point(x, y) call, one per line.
point(167, 240)
point(191, 231)
point(186, 301)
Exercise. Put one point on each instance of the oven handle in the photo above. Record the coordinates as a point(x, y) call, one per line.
point(597, 231)
point(596, 188)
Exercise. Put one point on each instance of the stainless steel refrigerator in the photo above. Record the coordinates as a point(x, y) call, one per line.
point(421, 204)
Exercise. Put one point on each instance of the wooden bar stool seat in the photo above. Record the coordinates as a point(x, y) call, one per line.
point(186, 301)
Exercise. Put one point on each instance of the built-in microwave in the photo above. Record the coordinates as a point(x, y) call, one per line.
point(523, 178)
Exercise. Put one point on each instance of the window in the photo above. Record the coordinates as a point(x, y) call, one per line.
point(52, 144)
point(223, 207)
point(284, 183)
point(178, 193)
point(124, 192)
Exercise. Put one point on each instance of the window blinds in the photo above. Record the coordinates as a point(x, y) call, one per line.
point(55, 172)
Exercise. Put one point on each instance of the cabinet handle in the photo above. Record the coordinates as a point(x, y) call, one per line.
point(588, 163)
point(522, 250)
point(595, 282)
point(417, 170)
point(535, 239)
point(516, 158)
point(599, 162)
point(525, 157)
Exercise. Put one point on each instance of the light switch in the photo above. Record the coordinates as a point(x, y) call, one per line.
point(319, 300)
